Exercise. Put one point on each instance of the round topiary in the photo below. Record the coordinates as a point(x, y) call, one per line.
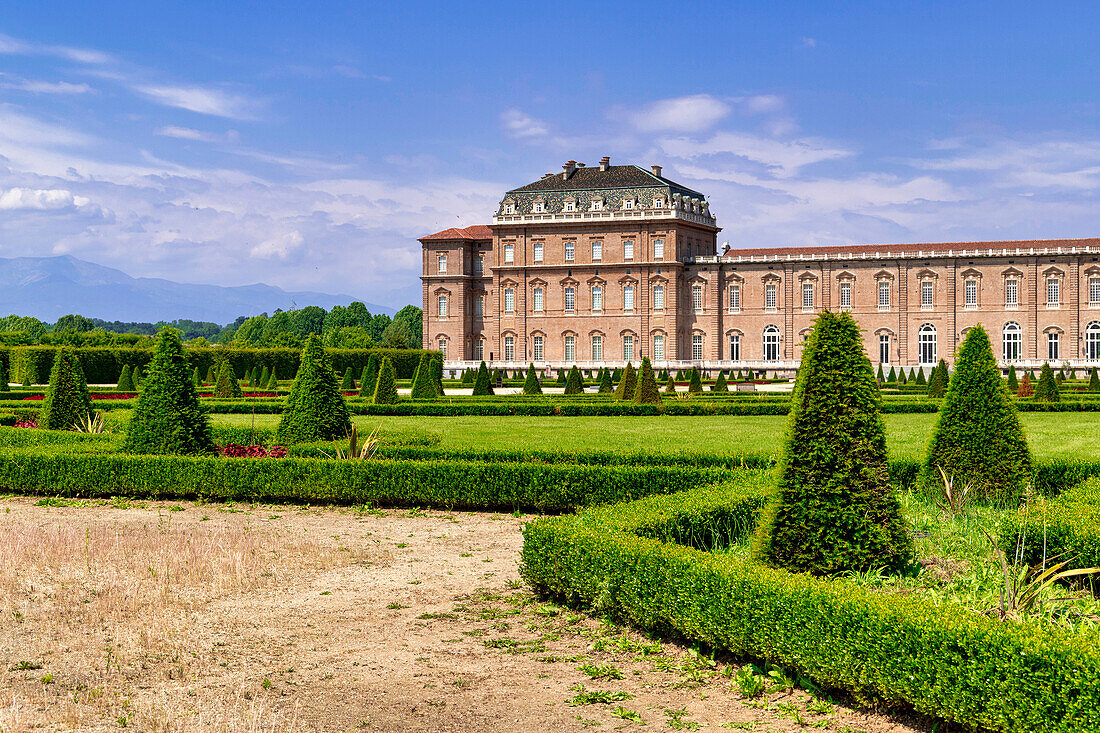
point(125, 379)
point(226, 384)
point(168, 417)
point(67, 401)
point(835, 510)
point(628, 385)
point(647, 392)
point(385, 387)
point(532, 385)
point(315, 409)
point(695, 384)
point(482, 387)
point(1046, 390)
point(978, 439)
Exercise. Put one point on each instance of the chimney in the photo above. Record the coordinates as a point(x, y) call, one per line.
point(657, 170)
point(570, 166)
point(605, 162)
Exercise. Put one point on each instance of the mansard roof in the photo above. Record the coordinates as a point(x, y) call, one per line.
point(616, 176)
point(477, 232)
point(928, 248)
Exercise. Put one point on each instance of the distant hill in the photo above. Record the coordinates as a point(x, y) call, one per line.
point(50, 287)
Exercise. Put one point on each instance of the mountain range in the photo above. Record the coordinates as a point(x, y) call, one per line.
point(50, 287)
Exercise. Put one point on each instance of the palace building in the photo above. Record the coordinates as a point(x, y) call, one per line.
point(606, 264)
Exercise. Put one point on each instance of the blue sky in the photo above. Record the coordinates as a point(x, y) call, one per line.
point(308, 145)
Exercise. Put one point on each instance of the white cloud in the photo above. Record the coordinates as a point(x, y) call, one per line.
point(47, 87)
point(16, 199)
point(187, 133)
point(808, 42)
point(764, 104)
point(520, 124)
point(681, 114)
point(780, 157)
point(280, 246)
point(202, 100)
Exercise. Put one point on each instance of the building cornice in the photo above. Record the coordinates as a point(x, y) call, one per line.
point(598, 217)
point(937, 252)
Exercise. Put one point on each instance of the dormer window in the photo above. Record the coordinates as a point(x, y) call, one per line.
point(538, 207)
point(628, 204)
point(509, 207)
point(658, 203)
point(597, 205)
point(570, 205)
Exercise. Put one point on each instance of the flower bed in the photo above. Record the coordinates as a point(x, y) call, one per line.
point(234, 450)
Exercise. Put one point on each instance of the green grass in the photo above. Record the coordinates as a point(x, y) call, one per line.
point(1050, 434)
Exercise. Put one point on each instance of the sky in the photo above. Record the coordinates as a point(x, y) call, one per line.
point(308, 145)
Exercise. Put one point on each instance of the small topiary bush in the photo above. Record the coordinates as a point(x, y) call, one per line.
point(1047, 388)
point(369, 378)
point(531, 385)
point(720, 384)
point(573, 383)
point(437, 375)
point(835, 510)
point(125, 380)
point(1013, 382)
point(315, 409)
point(606, 387)
point(226, 384)
point(67, 400)
point(348, 383)
point(695, 384)
point(628, 384)
point(670, 386)
point(481, 381)
point(647, 392)
point(1026, 389)
point(385, 386)
point(422, 387)
point(937, 385)
point(1094, 381)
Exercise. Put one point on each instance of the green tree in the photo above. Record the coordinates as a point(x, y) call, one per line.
point(978, 439)
point(937, 385)
point(561, 378)
point(273, 381)
point(903, 379)
point(422, 387)
point(1047, 388)
point(532, 385)
point(835, 510)
point(125, 379)
point(647, 393)
point(369, 377)
point(481, 382)
point(695, 384)
point(67, 400)
point(628, 385)
point(720, 384)
point(385, 386)
point(617, 375)
point(196, 378)
point(4, 378)
point(348, 382)
point(210, 375)
point(1013, 383)
point(168, 417)
point(314, 409)
point(1026, 389)
point(1094, 381)
point(573, 383)
point(226, 384)
point(606, 387)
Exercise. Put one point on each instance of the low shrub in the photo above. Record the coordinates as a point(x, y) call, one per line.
point(1065, 529)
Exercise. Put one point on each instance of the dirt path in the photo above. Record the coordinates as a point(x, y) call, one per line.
point(288, 618)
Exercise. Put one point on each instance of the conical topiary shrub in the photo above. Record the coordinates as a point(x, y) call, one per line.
point(422, 387)
point(937, 385)
point(1027, 389)
point(561, 378)
point(1046, 389)
point(893, 377)
point(903, 379)
point(67, 401)
point(168, 417)
point(196, 378)
point(606, 387)
point(695, 384)
point(125, 379)
point(273, 381)
point(881, 378)
point(1094, 381)
point(617, 375)
point(211, 375)
point(1060, 378)
point(4, 387)
point(978, 439)
point(481, 382)
point(835, 510)
point(137, 376)
point(920, 380)
point(647, 392)
point(314, 409)
point(437, 375)
point(226, 384)
point(573, 383)
point(720, 384)
point(265, 377)
point(1013, 382)
point(370, 377)
point(347, 384)
point(531, 385)
point(628, 384)
point(670, 386)
point(385, 386)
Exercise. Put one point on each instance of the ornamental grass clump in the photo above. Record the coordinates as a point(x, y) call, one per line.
point(168, 418)
point(125, 379)
point(422, 387)
point(385, 387)
point(531, 385)
point(315, 409)
point(67, 400)
point(834, 510)
point(978, 439)
point(695, 384)
point(481, 382)
point(226, 384)
point(369, 377)
point(628, 384)
point(1047, 388)
point(573, 383)
point(647, 392)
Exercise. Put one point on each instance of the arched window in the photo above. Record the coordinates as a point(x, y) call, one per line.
point(1092, 340)
point(771, 343)
point(926, 344)
point(1013, 340)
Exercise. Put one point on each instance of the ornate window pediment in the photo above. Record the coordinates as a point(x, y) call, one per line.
point(770, 277)
point(441, 291)
point(596, 332)
point(734, 277)
point(628, 280)
point(971, 273)
point(1093, 271)
point(538, 332)
point(1053, 271)
point(927, 274)
point(881, 331)
point(628, 332)
point(808, 277)
point(596, 280)
point(884, 275)
point(569, 281)
point(845, 277)
point(734, 332)
point(538, 282)
point(508, 283)
point(1011, 272)
point(1053, 329)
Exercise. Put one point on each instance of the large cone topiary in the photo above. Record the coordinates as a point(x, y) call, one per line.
point(125, 379)
point(168, 417)
point(605, 382)
point(481, 382)
point(1046, 390)
point(628, 384)
point(369, 377)
point(532, 385)
point(834, 510)
point(573, 383)
point(647, 392)
point(385, 386)
point(422, 387)
point(67, 400)
point(695, 383)
point(226, 384)
point(315, 409)
point(978, 439)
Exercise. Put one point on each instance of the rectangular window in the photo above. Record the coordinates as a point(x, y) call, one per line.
point(628, 298)
point(570, 251)
point(570, 348)
point(1012, 293)
point(697, 298)
point(1052, 347)
point(884, 295)
point(658, 249)
point(735, 299)
point(536, 298)
point(970, 291)
point(1054, 292)
point(597, 298)
point(845, 296)
point(443, 347)
point(538, 251)
point(628, 348)
point(597, 251)
point(884, 348)
point(926, 290)
point(442, 264)
point(628, 249)
point(658, 347)
point(597, 348)
point(442, 306)
point(479, 349)
point(509, 300)
point(479, 306)
point(570, 299)
point(1094, 291)
point(536, 345)
point(697, 346)
point(658, 297)
point(509, 253)
point(735, 347)
point(807, 296)
point(509, 348)
point(769, 296)
point(479, 266)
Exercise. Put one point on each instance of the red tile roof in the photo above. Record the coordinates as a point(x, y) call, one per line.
point(926, 247)
point(477, 231)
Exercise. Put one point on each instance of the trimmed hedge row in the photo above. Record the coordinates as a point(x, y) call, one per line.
point(1066, 529)
point(448, 484)
point(103, 364)
point(941, 658)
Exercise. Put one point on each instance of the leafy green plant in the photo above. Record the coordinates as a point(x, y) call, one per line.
point(601, 671)
point(749, 682)
point(92, 423)
point(355, 450)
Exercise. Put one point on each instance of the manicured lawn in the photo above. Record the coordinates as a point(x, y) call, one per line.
point(1051, 435)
